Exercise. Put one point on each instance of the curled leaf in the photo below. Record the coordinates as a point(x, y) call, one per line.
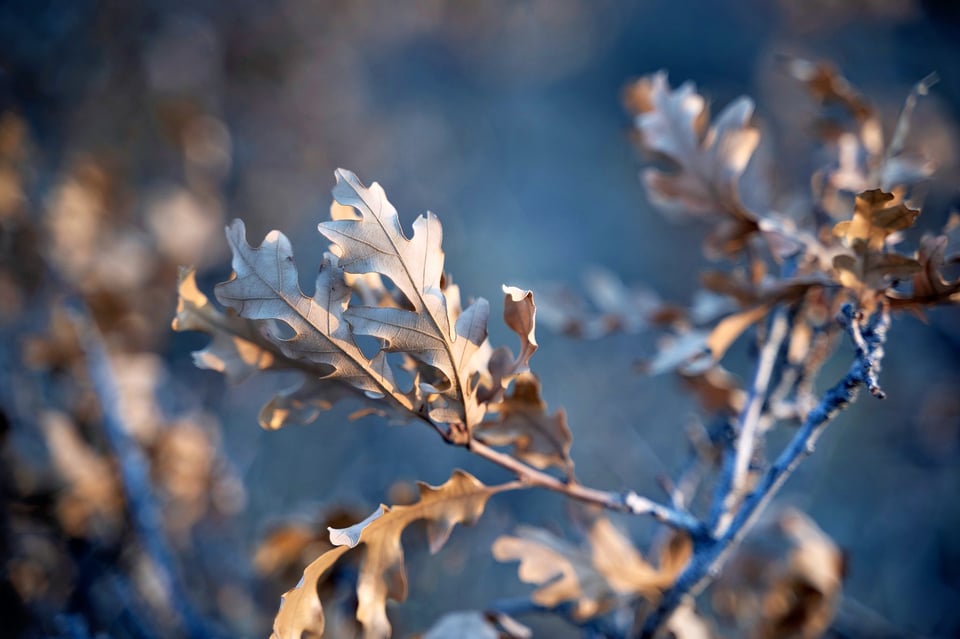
point(537, 437)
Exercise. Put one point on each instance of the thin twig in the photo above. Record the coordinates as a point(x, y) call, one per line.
point(144, 511)
point(709, 558)
point(627, 502)
point(733, 480)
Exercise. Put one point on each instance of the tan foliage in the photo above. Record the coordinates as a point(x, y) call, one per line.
point(870, 267)
point(709, 159)
point(594, 577)
point(538, 438)
point(460, 500)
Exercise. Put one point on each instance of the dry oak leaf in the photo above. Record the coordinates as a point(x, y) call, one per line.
point(498, 367)
point(460, 500)
point(591, 578)
point(238, 350)
point(930, 286)
point(265, 286)
point(537, 437)
point(869, 268)
point(374, 242)
point(709, 161)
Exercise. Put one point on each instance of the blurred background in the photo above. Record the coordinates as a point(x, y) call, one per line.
point(131, 132)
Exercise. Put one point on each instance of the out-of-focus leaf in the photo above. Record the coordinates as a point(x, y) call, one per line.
point(591, 578)
point(717, 389)
point(608, 306)
point(476, 625)
point(785, 581)
point(709, 162)
point(930, 285)
point(537, 437)
point(237, 350)
point(460, 500)
point(869, 267)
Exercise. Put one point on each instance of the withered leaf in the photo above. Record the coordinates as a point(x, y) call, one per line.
point(374, 242)
point(930, 286)
point(265, 286)
point(238, 350)
point(591, 578)
point(693, 352)
point(870, 267)
point(520, 314)
point(460, 500)
point(608, 306)
point(709, 162)
point(537, 437)
point(876, 216)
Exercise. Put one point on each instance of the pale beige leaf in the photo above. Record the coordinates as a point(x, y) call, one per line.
point(537, 437)
point(301, 613)
point(726, 332)
point(237, 350)
point(350, 536)
point(460, 500)
point(265, 286)
point(709, 162)
point(564, 572)
point(430, 329)
point(592, 578)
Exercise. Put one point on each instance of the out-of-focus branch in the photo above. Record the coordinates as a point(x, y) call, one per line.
point(733, 481)
point(710, 556)
point(143, 508)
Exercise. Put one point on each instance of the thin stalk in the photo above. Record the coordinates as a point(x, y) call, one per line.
point(710, 557)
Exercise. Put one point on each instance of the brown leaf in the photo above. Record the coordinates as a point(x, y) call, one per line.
point(876, 216)
point(717, 389)
point(726, 332)
point(929, 284)
point(537, 437)
point(610, 307)
point(520, 314)
point(460, 500)
point(869, 267)
point(784, 581)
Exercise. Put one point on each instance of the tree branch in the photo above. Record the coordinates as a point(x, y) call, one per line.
point(708, 560)
point(733, 480)
point(144, 510)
